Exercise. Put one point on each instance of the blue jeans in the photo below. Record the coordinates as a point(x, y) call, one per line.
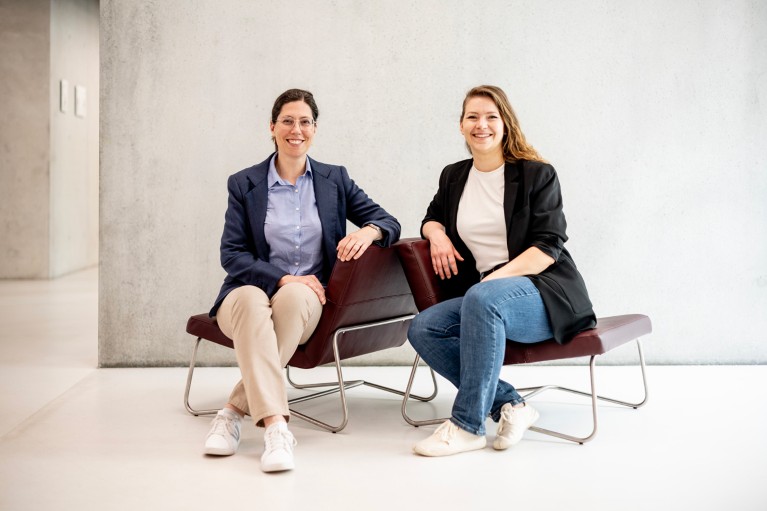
point(464, 340)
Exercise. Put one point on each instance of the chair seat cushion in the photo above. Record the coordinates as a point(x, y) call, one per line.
point(610, 332)
point(206, 327)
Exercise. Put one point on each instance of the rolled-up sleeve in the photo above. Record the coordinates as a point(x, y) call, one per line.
point(547, 219)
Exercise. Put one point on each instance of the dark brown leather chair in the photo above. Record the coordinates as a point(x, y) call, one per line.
point(369, 308)
point(609, 333)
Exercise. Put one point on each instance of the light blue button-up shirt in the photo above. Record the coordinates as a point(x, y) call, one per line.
point(292, 227)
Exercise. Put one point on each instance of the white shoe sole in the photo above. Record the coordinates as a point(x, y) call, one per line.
point(218, 451)
point(450, 450)
point(278, 467)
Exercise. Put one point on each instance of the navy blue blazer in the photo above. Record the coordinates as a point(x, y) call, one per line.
point(244, 247)
point(532, 205)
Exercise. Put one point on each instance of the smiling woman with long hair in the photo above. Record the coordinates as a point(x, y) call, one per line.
point(497, 233)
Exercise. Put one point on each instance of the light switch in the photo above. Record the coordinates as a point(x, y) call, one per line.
point(80, 101)
point(64, 96)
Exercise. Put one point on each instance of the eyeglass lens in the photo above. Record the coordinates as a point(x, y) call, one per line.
point(304, 123)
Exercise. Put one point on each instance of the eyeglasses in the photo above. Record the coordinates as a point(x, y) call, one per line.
point(304, 123)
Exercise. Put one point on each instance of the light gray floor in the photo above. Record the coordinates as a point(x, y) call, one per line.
point(76, 437)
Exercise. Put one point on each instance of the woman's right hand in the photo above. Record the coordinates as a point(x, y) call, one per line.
point(443, 253)
point(308, 280)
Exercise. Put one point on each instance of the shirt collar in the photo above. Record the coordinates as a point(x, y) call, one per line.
point(272, 177)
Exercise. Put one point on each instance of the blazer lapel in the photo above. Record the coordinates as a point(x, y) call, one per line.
point(456, 187)
point(326, 194)
point(256, 206)
point(510, 184)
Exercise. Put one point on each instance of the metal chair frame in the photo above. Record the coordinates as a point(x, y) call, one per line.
point(340, 385)
point(534, 391)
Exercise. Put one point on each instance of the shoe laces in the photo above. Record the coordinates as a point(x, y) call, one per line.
point(276, 438)
point(223, 426)
point(446, 432)
point(507, 423)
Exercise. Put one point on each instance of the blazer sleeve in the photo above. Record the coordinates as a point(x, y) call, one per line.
point(547, 220)
point(361, 210)
point(238, 251)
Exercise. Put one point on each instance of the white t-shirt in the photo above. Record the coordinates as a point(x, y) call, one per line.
point(481, 223)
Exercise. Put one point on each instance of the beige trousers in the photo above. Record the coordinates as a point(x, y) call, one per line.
point(266, 333)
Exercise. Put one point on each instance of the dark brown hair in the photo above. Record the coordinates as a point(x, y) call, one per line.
point(291, 95)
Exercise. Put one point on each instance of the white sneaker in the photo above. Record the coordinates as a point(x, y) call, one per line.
point(278, 448)
point(513, 424)
point(224, 435)
point(449, 439)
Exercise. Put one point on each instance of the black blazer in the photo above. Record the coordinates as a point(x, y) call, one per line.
point(244, 247)
point(532, 206)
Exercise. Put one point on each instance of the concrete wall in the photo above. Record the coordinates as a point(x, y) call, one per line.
point(653, 114)
point(24, 127)
point(48, 158)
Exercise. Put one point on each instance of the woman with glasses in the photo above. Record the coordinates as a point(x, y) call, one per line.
point(284, 228)
point(497, 233)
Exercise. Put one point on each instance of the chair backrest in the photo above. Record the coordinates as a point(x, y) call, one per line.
point(370, 289)
point(416, 262)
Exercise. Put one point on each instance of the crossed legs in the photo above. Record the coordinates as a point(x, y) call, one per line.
point(464, 340)
point(266, 333)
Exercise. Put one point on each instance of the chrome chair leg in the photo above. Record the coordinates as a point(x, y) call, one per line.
point(355, 383)
point(188, 407)
point(406, 396)
point(341, 389)
point(340, 385)
point(594, 397)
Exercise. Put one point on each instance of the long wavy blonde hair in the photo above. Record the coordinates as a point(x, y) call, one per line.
point(514, 145)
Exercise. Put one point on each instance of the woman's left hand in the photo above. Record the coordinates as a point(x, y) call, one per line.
point(355, 244)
